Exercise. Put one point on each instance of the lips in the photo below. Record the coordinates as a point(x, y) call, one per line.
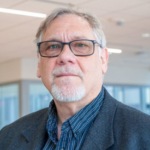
point(67, 71)
point(65, 75)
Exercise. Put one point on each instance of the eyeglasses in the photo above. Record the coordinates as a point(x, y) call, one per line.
point(81, 47)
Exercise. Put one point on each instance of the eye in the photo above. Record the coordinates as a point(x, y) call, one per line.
point(54, 46)
point(79, 45)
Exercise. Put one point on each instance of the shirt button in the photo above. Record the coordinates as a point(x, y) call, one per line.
point(77, 132)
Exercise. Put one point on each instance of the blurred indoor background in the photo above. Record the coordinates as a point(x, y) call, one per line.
point(126, 24)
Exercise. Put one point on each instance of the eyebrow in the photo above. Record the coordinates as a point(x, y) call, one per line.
point(52, 39)
point(76, 37)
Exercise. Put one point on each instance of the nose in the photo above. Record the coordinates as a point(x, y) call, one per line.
point(66, 56)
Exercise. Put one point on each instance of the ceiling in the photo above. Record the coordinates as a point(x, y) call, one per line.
point(124, 22)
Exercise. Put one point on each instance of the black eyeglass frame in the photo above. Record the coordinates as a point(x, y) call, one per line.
point(68, 43)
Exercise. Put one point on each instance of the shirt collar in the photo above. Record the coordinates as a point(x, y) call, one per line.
point(52, 122)
point(77, 122)
point(86, 115)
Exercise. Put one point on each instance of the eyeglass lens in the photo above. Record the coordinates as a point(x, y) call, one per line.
point(81, 47)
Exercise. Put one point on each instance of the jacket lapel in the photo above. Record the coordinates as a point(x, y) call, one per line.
point(100, 135)
point(35, 136)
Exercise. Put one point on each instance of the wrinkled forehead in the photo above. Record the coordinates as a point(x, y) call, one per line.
point(72, 20)
point(69, 25)
point(69, 16)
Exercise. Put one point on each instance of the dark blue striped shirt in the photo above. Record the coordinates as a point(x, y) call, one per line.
point(74, 129)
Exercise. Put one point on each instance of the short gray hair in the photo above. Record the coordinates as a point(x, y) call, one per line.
point(91, 19)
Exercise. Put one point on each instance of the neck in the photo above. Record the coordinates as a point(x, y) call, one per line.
point(65, 110)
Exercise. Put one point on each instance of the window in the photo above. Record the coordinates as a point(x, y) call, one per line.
point(35, 97)
point(39, 97)
point(129, 95)
point(110, 89)
point(118, 93)
point(132, 97)
point(9, 104)
point(146, 97)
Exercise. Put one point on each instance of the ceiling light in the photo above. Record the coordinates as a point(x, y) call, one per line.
point(117, 51)
point(141, 53)
point(24, 13)
point(146, 35)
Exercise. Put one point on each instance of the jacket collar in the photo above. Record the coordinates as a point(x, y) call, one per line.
point(100, 135)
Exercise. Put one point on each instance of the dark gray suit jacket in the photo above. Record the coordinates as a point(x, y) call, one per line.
point(116, 127)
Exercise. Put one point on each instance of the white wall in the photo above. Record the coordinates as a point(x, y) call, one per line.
point(10, 71)
point(25, 68)
point(131, 75)
point(29, 68)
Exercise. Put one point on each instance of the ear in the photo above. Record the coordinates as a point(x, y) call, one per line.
point(104, 59)
point(38, 73)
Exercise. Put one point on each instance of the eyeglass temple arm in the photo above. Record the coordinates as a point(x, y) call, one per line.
point(95, 42)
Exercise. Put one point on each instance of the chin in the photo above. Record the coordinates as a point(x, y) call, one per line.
point(68, 92)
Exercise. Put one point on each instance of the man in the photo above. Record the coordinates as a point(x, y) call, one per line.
point(82, 115)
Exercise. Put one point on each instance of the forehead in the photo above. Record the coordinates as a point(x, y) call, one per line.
point(69, 26)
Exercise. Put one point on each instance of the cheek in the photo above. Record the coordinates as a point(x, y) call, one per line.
point(91, 65)
point(47, 67)
point(89, 68)
point(92, 70)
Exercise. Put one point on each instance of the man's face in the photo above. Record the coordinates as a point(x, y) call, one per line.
point(69, 75)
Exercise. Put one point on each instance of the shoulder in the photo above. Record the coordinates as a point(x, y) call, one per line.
point(125, 117)
point(124, 112)
point(25, 122)
point(130, 126)
point(130, 123)
point(15, 135)
point(130, 118)
point(130, 115)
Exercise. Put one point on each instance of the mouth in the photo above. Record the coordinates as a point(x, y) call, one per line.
point(65, 75)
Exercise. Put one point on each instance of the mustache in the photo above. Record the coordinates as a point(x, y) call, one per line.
point(67, 69)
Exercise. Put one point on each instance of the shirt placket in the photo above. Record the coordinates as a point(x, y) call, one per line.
point(65, 131)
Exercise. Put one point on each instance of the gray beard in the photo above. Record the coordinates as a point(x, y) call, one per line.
point(67, 92)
